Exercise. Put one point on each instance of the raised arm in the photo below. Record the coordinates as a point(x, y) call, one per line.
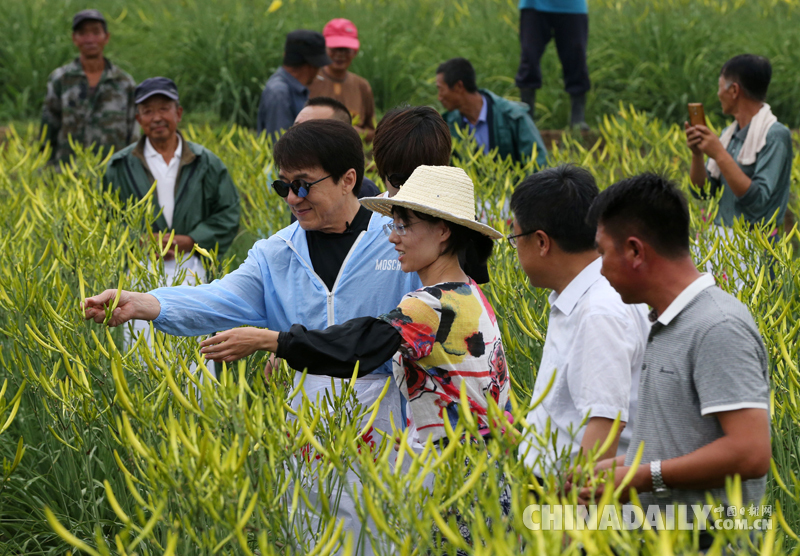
point(131, 305)
point(235, 300)
point(331, 352)
point(697, 171)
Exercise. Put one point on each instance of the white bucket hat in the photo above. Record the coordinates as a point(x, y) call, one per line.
point(441, 191)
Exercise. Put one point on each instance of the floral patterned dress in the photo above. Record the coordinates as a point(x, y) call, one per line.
point(450, 337)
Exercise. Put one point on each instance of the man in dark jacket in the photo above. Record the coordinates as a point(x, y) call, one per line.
point(195, 194)
point(495, 121)
point(286, 91)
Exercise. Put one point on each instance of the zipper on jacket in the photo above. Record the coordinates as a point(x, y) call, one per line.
point(338, 276)
point(328, 293)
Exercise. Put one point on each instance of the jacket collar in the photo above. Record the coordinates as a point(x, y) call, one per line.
point(291, 81)
point(187, 156)
point(110, 70)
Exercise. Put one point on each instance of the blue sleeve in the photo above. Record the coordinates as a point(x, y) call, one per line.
point(275, 110)
point(237, 299)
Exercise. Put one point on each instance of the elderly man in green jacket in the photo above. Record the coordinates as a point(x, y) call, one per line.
point(195, 193)
point(494, 121)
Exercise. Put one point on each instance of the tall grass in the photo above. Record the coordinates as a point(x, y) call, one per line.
point(121, 454)
point(657, 55)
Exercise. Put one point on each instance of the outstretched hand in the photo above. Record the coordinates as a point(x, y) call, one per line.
point(131, 305)
point(235, 344)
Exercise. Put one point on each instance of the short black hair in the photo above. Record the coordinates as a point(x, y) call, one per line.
point(340, 111)
point(752, 73)
point(331, 145)
point(408, 137)
point(648, 206)
point(458, 69)
point(472, 248)
point(556, 201)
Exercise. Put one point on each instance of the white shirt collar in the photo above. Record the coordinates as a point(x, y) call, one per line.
point(569, 297)
point(151, 152)
point(706, 280)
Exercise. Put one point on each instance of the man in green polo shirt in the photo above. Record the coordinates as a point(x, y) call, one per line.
point(752, 160)
point(90, 99)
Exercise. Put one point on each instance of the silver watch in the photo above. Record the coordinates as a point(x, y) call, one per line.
point(660, 490)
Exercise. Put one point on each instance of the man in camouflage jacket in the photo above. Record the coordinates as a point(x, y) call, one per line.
point(90, 98)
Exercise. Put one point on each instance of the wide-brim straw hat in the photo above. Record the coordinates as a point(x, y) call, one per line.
point(441, 191)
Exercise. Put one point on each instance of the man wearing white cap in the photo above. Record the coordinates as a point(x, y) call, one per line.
point(335, 81)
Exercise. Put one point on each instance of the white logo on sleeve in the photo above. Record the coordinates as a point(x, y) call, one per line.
point(387, 264)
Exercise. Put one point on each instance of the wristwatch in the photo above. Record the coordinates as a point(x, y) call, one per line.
point(660, 490)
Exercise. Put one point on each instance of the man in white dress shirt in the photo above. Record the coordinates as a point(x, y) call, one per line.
point(595, 342)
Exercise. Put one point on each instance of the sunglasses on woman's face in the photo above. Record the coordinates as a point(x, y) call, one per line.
point(299, 187)
point(397, 180)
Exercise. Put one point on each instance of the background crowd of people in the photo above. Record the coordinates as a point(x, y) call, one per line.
point(636, 332)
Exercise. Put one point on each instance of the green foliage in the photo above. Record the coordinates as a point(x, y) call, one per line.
point(657, 55)
point(122, 449)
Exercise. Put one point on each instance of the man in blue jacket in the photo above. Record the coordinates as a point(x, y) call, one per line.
point(495, 121)
point(332, 265)
point(286, 91)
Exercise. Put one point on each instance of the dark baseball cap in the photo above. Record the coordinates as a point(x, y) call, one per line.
point(155, 86)
point(88, 15)
point(305, 46)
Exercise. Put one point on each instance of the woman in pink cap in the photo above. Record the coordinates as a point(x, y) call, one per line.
point(341, 41)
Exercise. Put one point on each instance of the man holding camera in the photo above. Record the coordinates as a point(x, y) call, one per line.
point(752, 160)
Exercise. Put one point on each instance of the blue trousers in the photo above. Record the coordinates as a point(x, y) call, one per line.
point(571, 33)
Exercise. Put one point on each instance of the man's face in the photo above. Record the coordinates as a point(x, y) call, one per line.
point(341, 58)
point(447, 96)
point(528, 253)
point(314, 113)
point(616, 266)
point(91, 38)
point(320, 210)
point(159, 117)
point(725, 93)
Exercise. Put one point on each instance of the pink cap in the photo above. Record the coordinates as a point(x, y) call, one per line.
point(341, 33)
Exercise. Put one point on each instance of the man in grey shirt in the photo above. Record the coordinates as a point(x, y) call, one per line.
point(286, 91)
point(704, 388)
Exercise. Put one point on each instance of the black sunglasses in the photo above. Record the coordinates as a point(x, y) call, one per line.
point(397, 180)
point(299, 187)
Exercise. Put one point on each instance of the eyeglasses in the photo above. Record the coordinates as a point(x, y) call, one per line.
point(399, 228)
point(397, 180)
point(512, 239)
point(299, 187)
